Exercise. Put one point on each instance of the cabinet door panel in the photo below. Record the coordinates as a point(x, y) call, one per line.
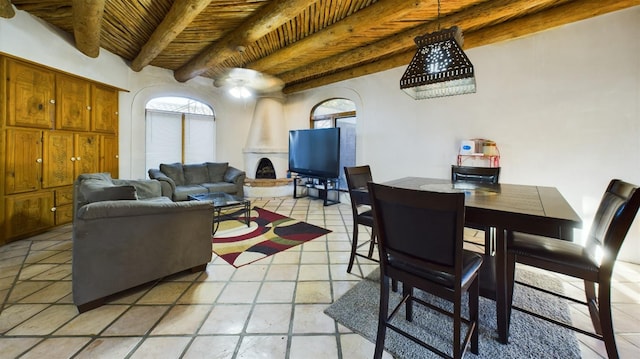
point(58, 161)
point(23, 160)
point(87, 152)
point(31, 91)
point(109, 159)
point(26, 213)
point(104, 109)
point(73, 101)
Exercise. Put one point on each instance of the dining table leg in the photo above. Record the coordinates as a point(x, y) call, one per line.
point(502, 314)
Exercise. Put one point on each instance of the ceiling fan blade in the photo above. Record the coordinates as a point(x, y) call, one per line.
point(257, 81)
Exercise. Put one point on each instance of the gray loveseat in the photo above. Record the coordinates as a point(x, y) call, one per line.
point(182, 180)
point(125, 233)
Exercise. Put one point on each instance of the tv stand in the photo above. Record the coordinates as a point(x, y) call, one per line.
point(322, 185)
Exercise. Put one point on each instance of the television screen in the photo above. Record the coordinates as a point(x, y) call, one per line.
point(315, 152)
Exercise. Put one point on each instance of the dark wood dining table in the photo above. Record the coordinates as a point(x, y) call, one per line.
point(506, 207)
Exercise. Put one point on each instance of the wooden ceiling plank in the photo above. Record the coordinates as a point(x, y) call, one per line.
point(87, 25)
point(6, 10)
point(557, 16)
point(378, 13)
point(180, 15)
point(476, 16)
point(262, 22)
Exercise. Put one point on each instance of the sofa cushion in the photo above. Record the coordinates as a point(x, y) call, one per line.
point(196, 173)
point(225, 187)
point(182, 192)
point(216, 171)
point(173, 171)
point(144, 188)
point(97, 191)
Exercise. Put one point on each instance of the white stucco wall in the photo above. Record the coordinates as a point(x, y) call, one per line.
point(563, 106)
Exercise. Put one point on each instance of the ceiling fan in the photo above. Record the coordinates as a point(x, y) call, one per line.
point(242, 82)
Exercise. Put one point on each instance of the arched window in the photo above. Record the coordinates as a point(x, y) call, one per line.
point(179, 129)
point(339, 112)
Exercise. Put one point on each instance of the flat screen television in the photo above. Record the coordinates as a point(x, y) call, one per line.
point(315, 152)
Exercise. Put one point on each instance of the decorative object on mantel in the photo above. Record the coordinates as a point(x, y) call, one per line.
point(439, 67)
point(242, 82)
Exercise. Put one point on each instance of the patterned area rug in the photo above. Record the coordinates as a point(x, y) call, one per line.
point(268, 234)
point(529, 337)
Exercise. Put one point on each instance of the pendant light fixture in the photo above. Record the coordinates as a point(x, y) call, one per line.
point(439, 67)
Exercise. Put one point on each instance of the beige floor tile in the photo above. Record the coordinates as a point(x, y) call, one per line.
point(263, 347)
point(309, 318)
point(313, 272)
point(59, 272)
point(313, 292)
point(13, 347)
point(60, 257)
point(93, 321)
point(26, 288)
point(239, 292)
point(57, 348)
point(253, 272)
point(18, 313)
point(161, 347)
point(314, 258)
point(341, 287)
point(216, 347)
point(182, 319)
point(137, 320)
point(39, 256)
point(282, 272)
point(226, 319)
point(314, 347)
point(276, 292)
point(339, 257)
point(355, 346)
point(270, 318)
point(164, 293)
point(290, 256)
point(217, 273)
point(46, 322)
point(316, 245)
point(32, 270)
point(202, 292)
point(109, 348)
point(52, 293)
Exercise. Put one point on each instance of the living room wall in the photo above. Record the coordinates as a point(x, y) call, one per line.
point(562, 105)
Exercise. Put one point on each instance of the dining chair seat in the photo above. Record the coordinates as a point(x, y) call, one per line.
point(357, 179)
point(471, 263)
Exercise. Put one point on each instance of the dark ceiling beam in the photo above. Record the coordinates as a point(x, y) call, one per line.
point(543, 20)
point(265, 20)
point(87, 25)
point(6, 10)
point(180, 15)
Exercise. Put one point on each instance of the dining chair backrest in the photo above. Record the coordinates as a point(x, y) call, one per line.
point(475, 174)
point(357, 177)
point(420, 228)
point(613, 218)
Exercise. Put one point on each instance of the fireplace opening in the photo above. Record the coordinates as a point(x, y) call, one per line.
point(265, 169)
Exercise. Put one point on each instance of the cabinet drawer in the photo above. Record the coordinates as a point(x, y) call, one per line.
point(64, 214)
point(64, 196)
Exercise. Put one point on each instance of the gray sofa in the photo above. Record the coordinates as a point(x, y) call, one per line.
point(182, 180)
point(125, 233)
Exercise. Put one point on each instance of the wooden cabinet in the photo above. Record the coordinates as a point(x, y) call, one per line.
point(54, 126)
point(30, 92)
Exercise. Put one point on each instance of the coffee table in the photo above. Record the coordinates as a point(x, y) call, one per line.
point(232, 206)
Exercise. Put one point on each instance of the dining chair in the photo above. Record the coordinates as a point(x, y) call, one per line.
point(420, 244)
point(488, 175)
point(593, 262)
point(357, 179)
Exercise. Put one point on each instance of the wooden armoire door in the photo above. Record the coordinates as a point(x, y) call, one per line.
point(31, 95)
point(29, 212)
point(23, 160)
point(104, 109)
point(109, 159)
point(73, 103)
point(87, 153)
point(58, 166)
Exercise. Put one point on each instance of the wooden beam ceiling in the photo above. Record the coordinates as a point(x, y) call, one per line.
point(6, 10)
point(87, 24)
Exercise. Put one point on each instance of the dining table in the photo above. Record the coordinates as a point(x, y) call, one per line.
point(532, 209)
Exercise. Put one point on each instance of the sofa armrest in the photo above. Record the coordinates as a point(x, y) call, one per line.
point(237, 177)
point(144, 188)
point(137, 208)
point(168, 185)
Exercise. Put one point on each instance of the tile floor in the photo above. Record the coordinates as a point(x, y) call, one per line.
point(270, 309)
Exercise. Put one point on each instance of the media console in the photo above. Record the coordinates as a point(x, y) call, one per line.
point(326, 188)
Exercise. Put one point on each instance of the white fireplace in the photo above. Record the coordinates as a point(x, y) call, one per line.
point(268, 138)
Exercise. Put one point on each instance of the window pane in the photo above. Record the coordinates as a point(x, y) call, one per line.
point(347, 146)
point(199, 139)
point(163, 138)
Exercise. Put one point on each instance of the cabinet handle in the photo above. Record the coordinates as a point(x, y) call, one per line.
point(39, 160)
point(73, 159)
point(53, 209)
point(116, 156)
point(52, 101)
point(116, 112)
point(77, 158)
point(89, 108)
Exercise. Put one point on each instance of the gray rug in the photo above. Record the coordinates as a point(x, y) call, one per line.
point(529, 337)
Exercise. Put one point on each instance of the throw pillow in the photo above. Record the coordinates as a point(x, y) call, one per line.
point(173, 171)
point(217, 171)
point(97, 193)
point(196, 174)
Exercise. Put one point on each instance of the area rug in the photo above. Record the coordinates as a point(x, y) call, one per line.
point(268, 234)
point(529, 337)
